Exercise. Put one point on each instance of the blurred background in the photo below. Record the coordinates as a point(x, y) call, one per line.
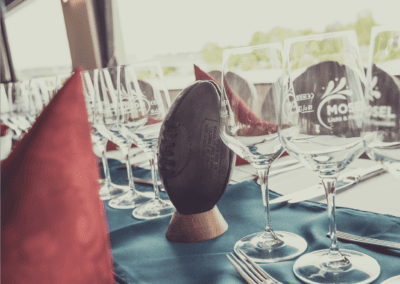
point(42, 38)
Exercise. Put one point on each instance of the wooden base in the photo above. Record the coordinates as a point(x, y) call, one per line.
point(197, 227)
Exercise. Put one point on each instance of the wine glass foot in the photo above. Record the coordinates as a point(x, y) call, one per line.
point(131, 200)
point(392, 280)
point(261, 249)
point(109, 191)
point(358, 268)
point(154, 209)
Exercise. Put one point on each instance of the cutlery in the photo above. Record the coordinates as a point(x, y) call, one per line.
point(275, 166)
point(279, 165)
point(251, 272)
point(146, 182)
point(242, 173)
point(275, 171)
point(141, 181)
point(318, 190)
point(282, 170)
point(141, 164)
point(118, 280)
point(136, 157)
point(247, 172)
point(365, 240)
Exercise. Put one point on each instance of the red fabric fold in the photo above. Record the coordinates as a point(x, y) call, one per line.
point(53, 226)
point(3, 129)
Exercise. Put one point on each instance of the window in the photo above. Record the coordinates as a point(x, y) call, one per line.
point(181, 33)
point(38, 40)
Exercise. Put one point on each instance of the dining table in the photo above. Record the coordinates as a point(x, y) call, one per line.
point(142, 254)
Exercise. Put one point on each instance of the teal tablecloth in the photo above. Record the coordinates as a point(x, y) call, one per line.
point(142, 254)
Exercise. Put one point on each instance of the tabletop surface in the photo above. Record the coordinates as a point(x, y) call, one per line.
point(380, 194)
point(143, 255)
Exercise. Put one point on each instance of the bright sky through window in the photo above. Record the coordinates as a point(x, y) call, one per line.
point(37, 36)
point(153, 27)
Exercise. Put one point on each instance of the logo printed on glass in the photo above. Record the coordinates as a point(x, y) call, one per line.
point(324, 95)
point(383, 108)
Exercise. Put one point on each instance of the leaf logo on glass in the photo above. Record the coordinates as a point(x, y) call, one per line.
point(381, 114)
point(375, 93)
point(335, 106)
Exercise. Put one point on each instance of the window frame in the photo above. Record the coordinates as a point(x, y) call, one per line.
point(92, 28)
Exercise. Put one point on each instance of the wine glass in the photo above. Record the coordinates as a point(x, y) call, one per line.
point(7, 113)
point(60, 80)
point(106, 121)
point(145, 100)
point(320, 123)
point(107, 189)
point(383, 97)
point(39, 97)
point(42, 88)
point(15, 107)
point(252, 134)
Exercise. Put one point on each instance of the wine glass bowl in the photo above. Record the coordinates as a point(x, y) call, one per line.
point(107, 189)
point(331, 110)
point(383, 97)
point(321, 124)
point(145, 102)
point(102, 87)
point(252, 134)
point(16, 107)
point(45, 87)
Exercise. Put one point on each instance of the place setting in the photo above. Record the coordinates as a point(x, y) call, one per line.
point(305, 246)
point(229, 218)
point(183, 185)
point(300, 124)
point(261, 149)
point(120, 107)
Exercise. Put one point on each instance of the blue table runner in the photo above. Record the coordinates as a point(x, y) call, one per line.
point(142, 254)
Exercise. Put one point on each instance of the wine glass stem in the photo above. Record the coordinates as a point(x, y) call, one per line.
point(329, 184)
point(103, 145)
point(125, 150)
point(152, 157)
point(263, 174)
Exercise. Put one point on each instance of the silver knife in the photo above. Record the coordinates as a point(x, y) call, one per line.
point(248, 172)
point(281, 170)
point(318, 190)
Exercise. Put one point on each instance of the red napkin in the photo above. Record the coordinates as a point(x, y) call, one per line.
point(112, 146)
point(3, 129)
point(53, 226)
point(251, 124)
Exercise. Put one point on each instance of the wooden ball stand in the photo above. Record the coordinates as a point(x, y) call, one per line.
point(197, 227)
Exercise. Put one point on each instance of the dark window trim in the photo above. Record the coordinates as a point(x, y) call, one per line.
point(92, 31)
point(13, 6)
point(8, 73)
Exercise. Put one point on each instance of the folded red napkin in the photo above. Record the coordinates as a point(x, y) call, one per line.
point(112, 146)
point(3, 129)
point(53, 226)
point(251, 124)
